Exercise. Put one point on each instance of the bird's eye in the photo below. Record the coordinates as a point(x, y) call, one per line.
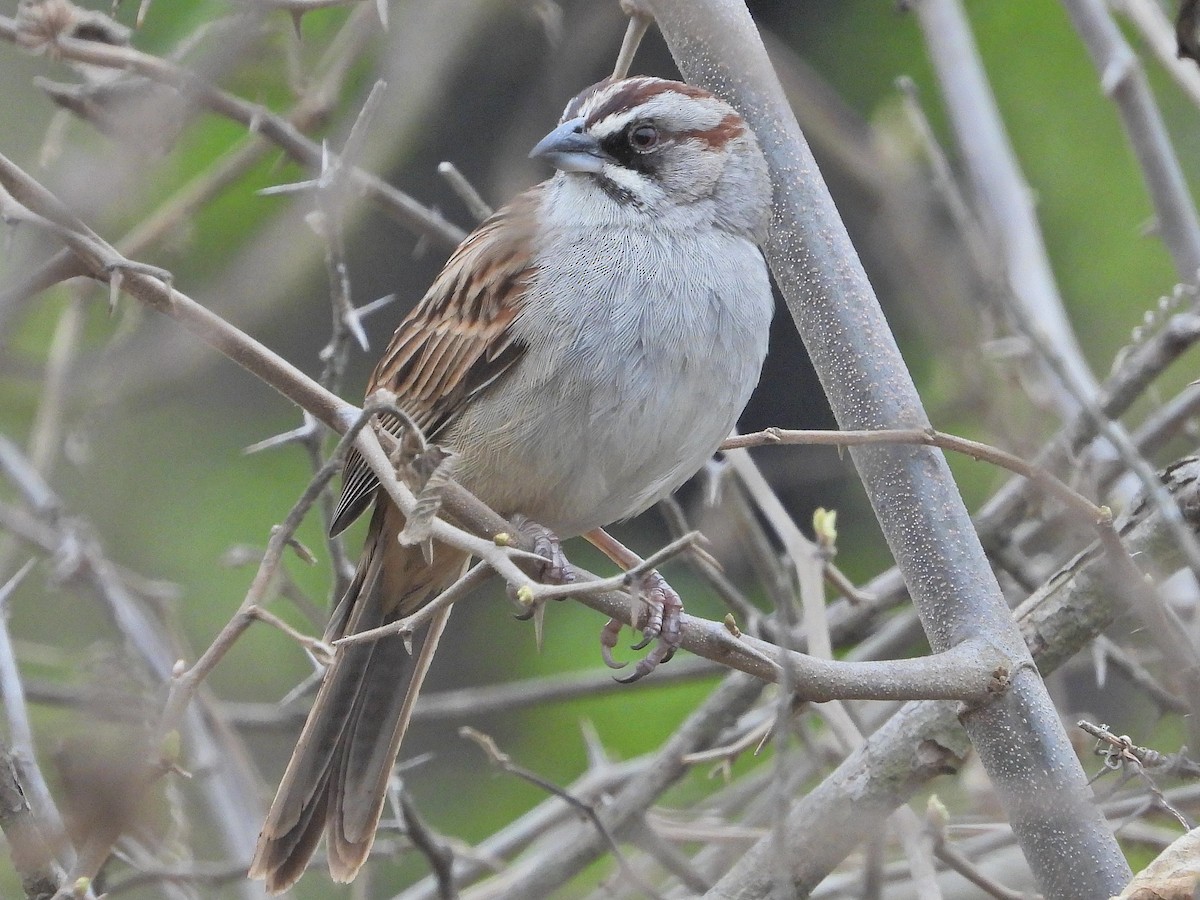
point(643, 137)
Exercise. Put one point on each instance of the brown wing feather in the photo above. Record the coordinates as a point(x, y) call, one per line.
point(456, 341)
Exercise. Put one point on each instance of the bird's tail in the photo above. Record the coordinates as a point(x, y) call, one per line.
point(338, 775)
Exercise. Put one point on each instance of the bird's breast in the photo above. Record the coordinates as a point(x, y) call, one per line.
point(642, 351)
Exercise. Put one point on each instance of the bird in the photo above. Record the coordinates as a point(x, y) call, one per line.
point(583, 352)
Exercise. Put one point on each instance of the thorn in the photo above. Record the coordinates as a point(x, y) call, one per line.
point(301, 551)
point(762, 741)
point(356, 329)
point(375, 305)
point(13, 583)
point(596, 754)
point(295, 436)
point(293, 187)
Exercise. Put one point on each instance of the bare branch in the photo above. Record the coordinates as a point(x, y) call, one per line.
point(925, 739)
point(1122, 79)
point(503, 761)
point(31, 852)
point(256, 119)
point(22, 757)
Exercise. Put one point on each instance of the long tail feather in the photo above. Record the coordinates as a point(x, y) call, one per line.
point(337, 777)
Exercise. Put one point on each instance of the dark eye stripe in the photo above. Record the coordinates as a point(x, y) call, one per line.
point(617, 146)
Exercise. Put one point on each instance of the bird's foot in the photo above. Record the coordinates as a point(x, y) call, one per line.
point(555, 569)
point(661, 620)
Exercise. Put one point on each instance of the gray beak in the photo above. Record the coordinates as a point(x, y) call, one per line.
point(570, 149)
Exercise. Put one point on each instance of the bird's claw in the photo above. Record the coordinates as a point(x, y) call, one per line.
point(556, 568)
point(609, 635)
point(648, 663)
point(663, 622)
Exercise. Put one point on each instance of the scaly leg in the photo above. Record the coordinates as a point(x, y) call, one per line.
point(664, 610)
point(547, 545)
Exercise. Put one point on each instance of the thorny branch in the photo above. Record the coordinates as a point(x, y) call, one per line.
point(765, 658)
point(959, 672)
point(255, 118)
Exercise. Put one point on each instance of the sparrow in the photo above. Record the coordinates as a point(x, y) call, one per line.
point(582, 354)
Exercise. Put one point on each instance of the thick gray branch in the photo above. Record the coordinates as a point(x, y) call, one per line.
point(1070, 847)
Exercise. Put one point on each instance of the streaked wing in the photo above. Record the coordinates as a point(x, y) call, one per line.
point(456, 342)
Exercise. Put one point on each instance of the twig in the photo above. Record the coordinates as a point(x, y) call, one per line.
point(505, 763)
point(406, 627)
point(1062, 492)
point(803, 553)
point(206, 874)
point(1121, 754)
point(726, 753)
point(1177, 644)
point(650, 842)
point(439, 854)
point(29, 841)
point(1162, 424)
point(1116, 656)
point(185, 683)
point(320, 651)
point(935, 830)
point(918, 849)
point(332, 198)
point(476, 205)
point(1168, 632)
point(526, 829)
point(582, 845)
point(32, 857)
point(1136, 371)
point(1072, 607)
point(23, 755)
point(765, 559)
point(639, 22)
point(255, 118)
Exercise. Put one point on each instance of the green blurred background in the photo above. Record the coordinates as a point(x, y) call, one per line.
point(157, 422)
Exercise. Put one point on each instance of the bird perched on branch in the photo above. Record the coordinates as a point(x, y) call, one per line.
point(583, 353)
